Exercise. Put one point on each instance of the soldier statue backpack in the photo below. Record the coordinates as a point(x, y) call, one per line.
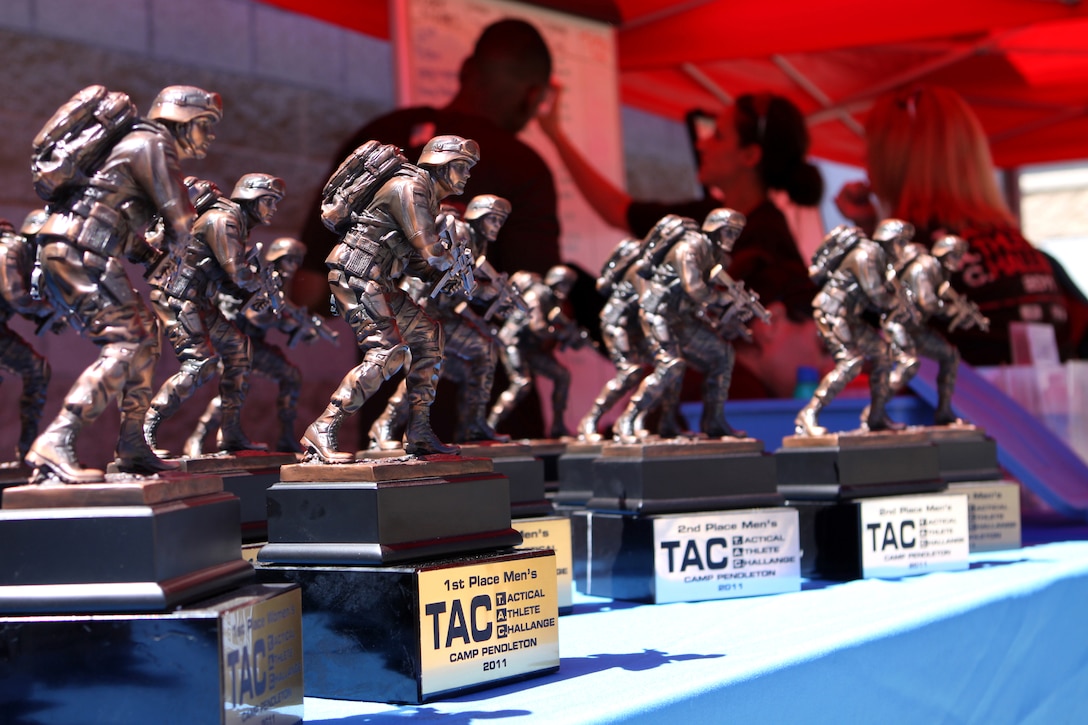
point(623, 256)
point(827, 257)
point(356, 180)
point(668, 230)
point(75, 141)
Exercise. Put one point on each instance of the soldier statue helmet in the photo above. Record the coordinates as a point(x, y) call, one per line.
point(449, 158)
point(487, 213)
point(258, 195)
point(950, 250)
point(561, 279)
point(893, 235)
point(724, 226)
point(191, 112)
point(286, 254)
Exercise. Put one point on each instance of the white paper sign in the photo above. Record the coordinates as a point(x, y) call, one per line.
point(905, 535)
point(726, 554)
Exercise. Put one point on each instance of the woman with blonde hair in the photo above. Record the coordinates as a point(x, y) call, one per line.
point(929, 163)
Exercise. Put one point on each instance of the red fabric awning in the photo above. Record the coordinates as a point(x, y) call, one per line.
point(1022, 64)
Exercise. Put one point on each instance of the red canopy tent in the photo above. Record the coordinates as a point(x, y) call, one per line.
point(1022, 64)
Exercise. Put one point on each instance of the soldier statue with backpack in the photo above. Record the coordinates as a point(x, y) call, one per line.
point(108, 176)
point(681, 286)
point(469, 356)
point(18, 297)
point(528, 339)
point(856, 294)
point(621, 331)
point(255, 317)
point(385, 211)
point(183, 288)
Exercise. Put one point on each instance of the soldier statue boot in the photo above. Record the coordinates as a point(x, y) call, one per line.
point(630, 426)
point(587, 426)
point(805, 424)
point(54, 452)
point(287, 443)
point(473, 425)
point(209, 421)
point(420, 439)
point(134, 455)
point(387, 431)
point(321, 438)
point(231, 438)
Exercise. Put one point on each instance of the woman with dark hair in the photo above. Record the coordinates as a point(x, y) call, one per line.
point(757, 145)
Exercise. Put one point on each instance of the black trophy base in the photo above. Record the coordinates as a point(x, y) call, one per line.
point(246, 474)
point(411, 633)
point(676, 476)
point(549, 450)
point(845, 466)
point(516, 461)
point(141, 546)
point(579, 545)
point(964, 453)
point(252, 492)
point(830, 539)
point(385, 512)
point(575, 473)
point(231, 659)
point(619, 561)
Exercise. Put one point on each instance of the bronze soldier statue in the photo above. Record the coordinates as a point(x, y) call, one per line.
point(255, 317)
point(685, 270)
point(923, 277)
point(388, 231)
point(183, 288)
point(855, 293)
point(528, 340)
point(621, 332)
point(469, 355)
point(97, 217)
point(17, 253)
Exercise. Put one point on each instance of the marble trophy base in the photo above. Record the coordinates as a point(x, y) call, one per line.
point(136, 545)
point(690, 557)
point(684, 475)
point(387, 511)
point(233, 658)
point(516, 461)
point(964, 452)
point(410, 633)
point(246, 474)
point(575, 472)
point(888, 536)
point(844, 466)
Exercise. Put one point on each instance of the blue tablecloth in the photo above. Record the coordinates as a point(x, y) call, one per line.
point(1004, 642)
